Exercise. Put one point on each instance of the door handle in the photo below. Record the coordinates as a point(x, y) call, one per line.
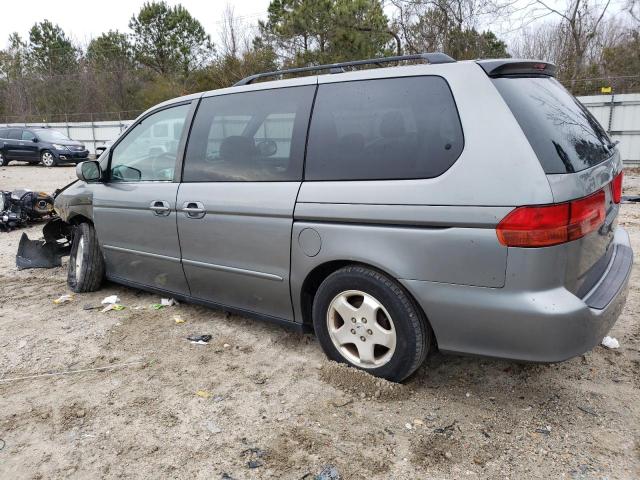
point(160, 208)
point(194, 209)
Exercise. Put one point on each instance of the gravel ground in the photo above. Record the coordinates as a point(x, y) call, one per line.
point(262, 396)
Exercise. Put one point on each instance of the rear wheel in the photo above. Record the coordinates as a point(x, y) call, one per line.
point(47, 158)
point(86, 265)
point(365, 319)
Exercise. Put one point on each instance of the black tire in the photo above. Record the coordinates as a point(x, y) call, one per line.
point(48, 159)
point(413, 335)
point(3, 160)
point(88, 278)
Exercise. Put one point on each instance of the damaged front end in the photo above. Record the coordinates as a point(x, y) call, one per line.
point(56, 242)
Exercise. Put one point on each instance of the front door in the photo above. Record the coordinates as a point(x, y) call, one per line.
point(135, 209)
point(29, 145)
point(242, 173)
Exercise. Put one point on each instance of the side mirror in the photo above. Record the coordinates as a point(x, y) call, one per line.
point(35, 139)
point(89, 171)
point(267, 148)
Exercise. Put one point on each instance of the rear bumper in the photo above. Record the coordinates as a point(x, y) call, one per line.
point(547, 325)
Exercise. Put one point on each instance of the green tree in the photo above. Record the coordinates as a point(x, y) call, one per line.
point(323, 31)
point(111, 49)
point(168, 39)
point(50, 51)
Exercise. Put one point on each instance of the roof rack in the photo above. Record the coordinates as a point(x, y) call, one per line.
point(432, 58)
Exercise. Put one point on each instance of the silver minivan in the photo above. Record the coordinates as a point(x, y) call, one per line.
point(466, 206)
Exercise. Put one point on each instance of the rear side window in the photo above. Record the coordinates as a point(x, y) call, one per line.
point(4, 133)
point(249, 137)
point(398, 128)
point(563, 133)
point(15, 134)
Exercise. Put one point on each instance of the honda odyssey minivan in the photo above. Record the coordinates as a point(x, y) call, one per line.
point(467, 206)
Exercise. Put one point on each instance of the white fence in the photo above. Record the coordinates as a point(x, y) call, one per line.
point(618, 114)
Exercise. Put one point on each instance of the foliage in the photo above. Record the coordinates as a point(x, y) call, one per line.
point(168, 39)
point(311, 32)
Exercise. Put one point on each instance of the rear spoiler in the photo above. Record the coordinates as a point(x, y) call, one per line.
point(508, 66)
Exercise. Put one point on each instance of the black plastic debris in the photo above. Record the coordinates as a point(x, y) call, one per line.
point(39, 253)
point(200, 339)
point(630, 199)
point(45, 253)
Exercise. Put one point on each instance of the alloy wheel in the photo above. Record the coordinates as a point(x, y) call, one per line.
point(47, 159)
point(361, 329)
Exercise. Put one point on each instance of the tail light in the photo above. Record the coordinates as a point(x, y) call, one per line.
point(616, 188)
point(546, 225)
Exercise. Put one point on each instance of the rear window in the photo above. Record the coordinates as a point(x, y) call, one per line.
point(563, 133)
point(397, 128)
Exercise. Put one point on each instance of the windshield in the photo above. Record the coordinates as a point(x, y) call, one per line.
point(562, 132)
point(52, 136)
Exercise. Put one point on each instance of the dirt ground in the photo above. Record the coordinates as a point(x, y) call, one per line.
point(261, 396)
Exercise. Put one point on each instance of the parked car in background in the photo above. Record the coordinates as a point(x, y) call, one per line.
point(39, 145)
point(467, 205)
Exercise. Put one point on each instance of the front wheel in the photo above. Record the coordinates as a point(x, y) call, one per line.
point(86, 265)
point(3, 160)
point(365, 319)
point(47, 158)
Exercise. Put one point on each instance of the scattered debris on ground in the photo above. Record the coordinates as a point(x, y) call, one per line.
point(63, 299)
point(199, 339)
point(110, 300)
point(610, 342)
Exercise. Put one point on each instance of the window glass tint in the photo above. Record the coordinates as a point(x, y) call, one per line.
point(562, 132)
point(398, 128)
point(253, 136)
point(4, 132)
point(52, 136)
point(15, 134)
point(27, 135)
point(150, 150)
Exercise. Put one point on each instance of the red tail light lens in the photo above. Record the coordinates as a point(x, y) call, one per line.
point(616, 188)
point(543, 226)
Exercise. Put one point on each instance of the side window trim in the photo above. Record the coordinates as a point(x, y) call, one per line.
point(184, 140)
point(181, 145)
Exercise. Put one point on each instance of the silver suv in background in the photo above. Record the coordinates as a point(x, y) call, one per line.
point(467, 205)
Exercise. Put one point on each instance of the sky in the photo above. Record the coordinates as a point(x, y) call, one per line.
point(83, 20)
